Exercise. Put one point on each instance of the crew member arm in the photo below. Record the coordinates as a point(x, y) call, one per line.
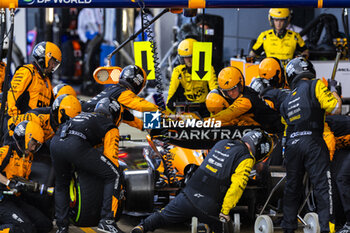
point(258, 47)
point(132, 101)
point(329, 101)
point(213, 81)
point(131, 120)
point(111, 145)
point(19, 84)
point(301, 47)
point(238, 108)
point(173, 87)
point(15, 120)
point(239, 181)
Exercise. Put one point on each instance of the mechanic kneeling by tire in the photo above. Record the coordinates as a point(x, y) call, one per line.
point(216, 186)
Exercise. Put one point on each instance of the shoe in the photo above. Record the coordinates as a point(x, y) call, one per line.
point(137, 229)
point(62, 230)
point(108, 226)
point(345, 229)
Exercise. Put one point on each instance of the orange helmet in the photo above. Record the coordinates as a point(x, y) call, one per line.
point(62, 89)
point(216, 102)
point(230, 78)
point(272, 69)
point(64, 108)
point(29, 136)
point(44, 52)
point(185, 48)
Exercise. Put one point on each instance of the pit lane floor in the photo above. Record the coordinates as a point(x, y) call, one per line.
point(126, 223)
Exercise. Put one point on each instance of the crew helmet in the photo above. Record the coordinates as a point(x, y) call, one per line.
point(279, 13)
point(272, 69)
point(185, 48)
point(216, 102)
point(261, 144)
point(230, 78)
point(299, 68)
point(44, 52)
point(109, 107)
point(64, 108)
point(62, 89)
point(29, 136)
point(134, 78)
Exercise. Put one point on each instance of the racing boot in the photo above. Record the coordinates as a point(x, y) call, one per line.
point(345, 229)
point(137, 229)
point(62, 229)
point(108, 225)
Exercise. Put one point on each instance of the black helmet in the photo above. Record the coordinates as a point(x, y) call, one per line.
point(299, 68)
point(133, 78)
point(261, 144)
point(109, 107)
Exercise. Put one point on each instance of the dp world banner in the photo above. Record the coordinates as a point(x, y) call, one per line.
point(175, 3)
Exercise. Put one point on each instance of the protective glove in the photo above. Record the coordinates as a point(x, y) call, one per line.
point(224, 217)
point(258, 85)
point(332, 85)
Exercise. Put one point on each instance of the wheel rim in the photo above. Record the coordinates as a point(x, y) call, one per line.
point(312, 223)
point(263, 224)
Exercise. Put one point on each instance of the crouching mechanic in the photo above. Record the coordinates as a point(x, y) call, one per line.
point(216, 186)
point(304, 113)
point(63, 108)
point(245, 101)
point(74, 143)
point(16, 160)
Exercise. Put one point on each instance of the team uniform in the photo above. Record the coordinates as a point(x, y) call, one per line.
point(282, 48)
point(304, 112)
point(215, 187)
point(2, 75)
point(14, 210)
point(182, 88)
point(75, 143)
point(340, 126)
point(124, 96)
point(250, 104)
point(28, 90)
point(41, 116)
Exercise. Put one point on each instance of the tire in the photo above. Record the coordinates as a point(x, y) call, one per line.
point(263, 224)
point(86, 194)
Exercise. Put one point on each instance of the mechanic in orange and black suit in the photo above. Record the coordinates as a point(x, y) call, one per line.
point(16, 160)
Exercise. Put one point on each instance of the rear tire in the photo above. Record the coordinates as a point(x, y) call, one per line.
point(86, 192)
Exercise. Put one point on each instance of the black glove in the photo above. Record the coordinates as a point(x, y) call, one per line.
point(332, 85)
point(258, 85)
